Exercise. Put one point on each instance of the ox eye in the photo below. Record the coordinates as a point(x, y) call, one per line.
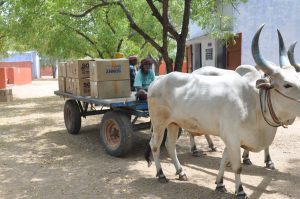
point(287, 86)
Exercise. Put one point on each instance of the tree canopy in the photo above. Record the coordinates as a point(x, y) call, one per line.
point(99, 29)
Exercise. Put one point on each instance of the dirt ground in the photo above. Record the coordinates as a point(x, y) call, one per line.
point(39, 159)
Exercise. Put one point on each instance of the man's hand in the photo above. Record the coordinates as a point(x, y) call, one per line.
point(141, 94)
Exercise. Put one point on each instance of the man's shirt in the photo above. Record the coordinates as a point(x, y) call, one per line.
point(143, 80)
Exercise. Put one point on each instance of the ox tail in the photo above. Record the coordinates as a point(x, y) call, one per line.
point(147, 155)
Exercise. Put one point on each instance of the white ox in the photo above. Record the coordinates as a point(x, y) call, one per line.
point(228, 107)
point(241, 70)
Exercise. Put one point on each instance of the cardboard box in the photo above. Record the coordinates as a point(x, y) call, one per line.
point(6, 95)
point(69, 85)
point(80, 68)
point(81, 86)
point(109, 70)
point(69, 69)
point(110, 89)
point(62, 69)
point(62, 84)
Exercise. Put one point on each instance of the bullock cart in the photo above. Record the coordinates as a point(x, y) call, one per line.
point(119, 121)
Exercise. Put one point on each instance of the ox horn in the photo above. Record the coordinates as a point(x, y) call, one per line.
point(266, 66)
point(292, 58)
point(283, 59)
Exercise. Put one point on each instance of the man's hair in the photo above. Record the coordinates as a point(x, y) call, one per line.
point(146, 61)
point(132, 59)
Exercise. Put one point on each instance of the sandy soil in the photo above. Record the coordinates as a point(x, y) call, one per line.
point(39, 159)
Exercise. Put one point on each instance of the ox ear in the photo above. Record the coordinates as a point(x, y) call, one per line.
point(264, 84)
point(292, 58)
point(266, 66)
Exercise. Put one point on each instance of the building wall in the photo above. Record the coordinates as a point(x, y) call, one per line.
point(17, 72)
point(206, 43)
point(3, 79)
point(280, 14)
point(46, 71)
point(274, 14)
point(31, 56)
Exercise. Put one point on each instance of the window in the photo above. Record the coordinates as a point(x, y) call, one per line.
point(209, 54)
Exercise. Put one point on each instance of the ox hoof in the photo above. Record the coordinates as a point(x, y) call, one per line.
point(270, 165)
point(149, 164)
point(183, 177)
point(247, 161)
point(228, 164)
point(242, 196)
point(221, 189)
point(163, 180)
point(213, 149)
point(198, 153)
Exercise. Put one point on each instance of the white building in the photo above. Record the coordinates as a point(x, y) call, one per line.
point(202, 50)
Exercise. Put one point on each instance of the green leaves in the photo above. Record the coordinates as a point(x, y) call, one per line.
point(74, 29)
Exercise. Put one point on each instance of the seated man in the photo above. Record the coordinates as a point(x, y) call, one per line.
point(143, 78)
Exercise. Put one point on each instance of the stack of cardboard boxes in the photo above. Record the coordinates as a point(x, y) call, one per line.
point(76, 79)
point(103, 78)
point(62, 74)
point(110, 78)
point(80, 74)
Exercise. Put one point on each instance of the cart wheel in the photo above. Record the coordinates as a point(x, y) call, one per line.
point(116, 133)
point(72, 116)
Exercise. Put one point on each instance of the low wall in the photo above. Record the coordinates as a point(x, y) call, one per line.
point(17, 72)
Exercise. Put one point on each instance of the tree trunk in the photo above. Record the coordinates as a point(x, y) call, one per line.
point(179, 56)
point(182, 38)
point(168, 62)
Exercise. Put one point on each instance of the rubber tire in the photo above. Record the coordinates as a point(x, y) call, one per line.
point(72, 116)
point(123, 123)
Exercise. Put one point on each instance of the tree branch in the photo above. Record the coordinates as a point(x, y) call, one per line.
point(135, 27)
point(186, 19)
point(120, 45)
point(87, 54)
point(165, 24)
point(131, 35)
point(103, 4)
point(158, 16)
point(87, 38)
point(108, 23)
point(234, 7)
point(143, 45)
point(184, 31)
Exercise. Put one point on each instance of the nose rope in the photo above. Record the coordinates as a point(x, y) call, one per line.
point(270, 106)
point(291, 98)
point(263, 101)
point(272, 112)
point(274, 117)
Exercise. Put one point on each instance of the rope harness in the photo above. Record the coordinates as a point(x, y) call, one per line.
point(267, 100)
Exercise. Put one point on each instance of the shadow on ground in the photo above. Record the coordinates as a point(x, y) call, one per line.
point(40, 159)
